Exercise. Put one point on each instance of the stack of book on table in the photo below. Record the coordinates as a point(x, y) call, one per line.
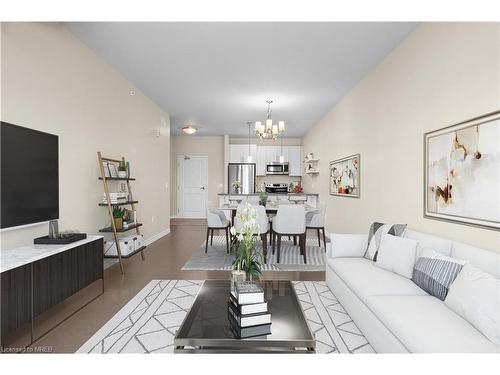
point(247, 311)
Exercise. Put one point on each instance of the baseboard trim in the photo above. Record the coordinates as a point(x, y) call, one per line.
point(156, 237)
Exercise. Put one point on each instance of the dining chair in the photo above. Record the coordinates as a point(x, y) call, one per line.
point(253, 200)
point(216, 221)
point(262, 221)
point(316, 220)
point(290, 220)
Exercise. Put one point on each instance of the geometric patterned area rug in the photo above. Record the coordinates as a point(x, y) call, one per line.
point(149, 321)
point(217, 258)
point(333, 328)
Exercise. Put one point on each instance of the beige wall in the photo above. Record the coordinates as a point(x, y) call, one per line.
point(441, 74)
point(54, 83)
point(211, 146)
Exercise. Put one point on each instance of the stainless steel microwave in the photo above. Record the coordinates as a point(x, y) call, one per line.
point(276, 168)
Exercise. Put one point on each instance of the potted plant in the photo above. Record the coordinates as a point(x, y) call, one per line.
point(248, 260)
point(122, 170)
point(236, 186)
point(263, 198)
point(118, 214)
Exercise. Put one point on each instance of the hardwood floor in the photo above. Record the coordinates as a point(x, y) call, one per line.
point(164, 260)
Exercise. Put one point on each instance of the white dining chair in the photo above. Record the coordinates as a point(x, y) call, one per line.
point(216, 221)
point(316, 220)
point(253, 200)
point(262, 221)
point(290, 220)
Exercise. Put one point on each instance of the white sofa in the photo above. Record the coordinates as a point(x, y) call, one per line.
point(394, 314)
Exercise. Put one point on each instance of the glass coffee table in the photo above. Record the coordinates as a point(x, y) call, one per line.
point(206, 328)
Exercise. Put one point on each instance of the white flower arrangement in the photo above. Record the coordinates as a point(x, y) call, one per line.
point(247, 258)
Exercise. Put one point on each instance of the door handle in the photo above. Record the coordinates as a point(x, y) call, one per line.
point(202, 188)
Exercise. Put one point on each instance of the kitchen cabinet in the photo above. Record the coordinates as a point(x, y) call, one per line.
point(261, 161)
point(295, 161)
point(272, 153)
point(284, 153)
point(291, 154)
point(238, 153)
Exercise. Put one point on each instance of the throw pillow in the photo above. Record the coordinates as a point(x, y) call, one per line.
point(475, 296)
point(375, 235)
point(397, 254)
point(434, 272)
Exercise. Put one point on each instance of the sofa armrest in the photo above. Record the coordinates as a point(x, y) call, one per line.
point(348, 245)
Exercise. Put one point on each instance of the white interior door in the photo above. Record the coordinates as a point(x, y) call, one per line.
point(192, 186)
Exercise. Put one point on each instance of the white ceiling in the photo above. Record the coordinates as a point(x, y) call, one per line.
point(219, 75)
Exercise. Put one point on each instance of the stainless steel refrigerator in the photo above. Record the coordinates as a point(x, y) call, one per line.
point(245, 174)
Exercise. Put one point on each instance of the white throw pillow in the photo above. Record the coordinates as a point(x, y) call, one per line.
point(348, 245)
point(397, 254)
point(375, 236)
point(427, 252)
point(475, 296)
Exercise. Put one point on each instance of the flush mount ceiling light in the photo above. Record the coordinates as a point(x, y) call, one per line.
point(189, 129)
point(269, 130)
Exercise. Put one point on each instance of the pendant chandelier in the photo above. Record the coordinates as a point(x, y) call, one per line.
point(268, 130)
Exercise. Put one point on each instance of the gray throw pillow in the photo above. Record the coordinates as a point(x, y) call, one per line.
point(377, 229)
point(435, 274)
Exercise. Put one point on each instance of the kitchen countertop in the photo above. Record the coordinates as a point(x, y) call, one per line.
point(277, 194)
point(307, 208)
point(20, 256)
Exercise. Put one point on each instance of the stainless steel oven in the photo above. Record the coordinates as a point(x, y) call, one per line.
point(281, 188)
point(276, 168)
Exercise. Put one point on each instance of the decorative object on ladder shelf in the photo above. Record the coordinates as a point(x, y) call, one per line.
point(122, 169)
point(122, 219)
point(118, 214)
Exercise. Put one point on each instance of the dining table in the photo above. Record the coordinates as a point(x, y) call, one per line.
point(271, 209)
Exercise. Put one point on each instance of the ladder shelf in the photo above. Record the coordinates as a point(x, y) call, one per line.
point(112, 228)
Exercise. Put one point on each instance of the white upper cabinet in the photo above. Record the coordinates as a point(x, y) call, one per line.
point(295, 160)
point(261, 161)
point(268, 154)
point(239, 153)
point(271, 153)
point(283, 152)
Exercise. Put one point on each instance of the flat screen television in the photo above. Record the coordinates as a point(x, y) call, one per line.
point(29, 176)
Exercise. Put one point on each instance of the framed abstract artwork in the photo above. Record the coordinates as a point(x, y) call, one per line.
point(344, 176)
point(462, 172)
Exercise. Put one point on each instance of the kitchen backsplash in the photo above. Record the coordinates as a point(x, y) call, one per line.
point(274, 179)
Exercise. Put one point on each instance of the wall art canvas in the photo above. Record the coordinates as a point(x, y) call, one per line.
point(462, 172)
point(344, 176)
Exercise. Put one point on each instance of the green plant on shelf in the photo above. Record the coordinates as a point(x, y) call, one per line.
point(122, 167)
point(118, 217)
point(118, 213)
